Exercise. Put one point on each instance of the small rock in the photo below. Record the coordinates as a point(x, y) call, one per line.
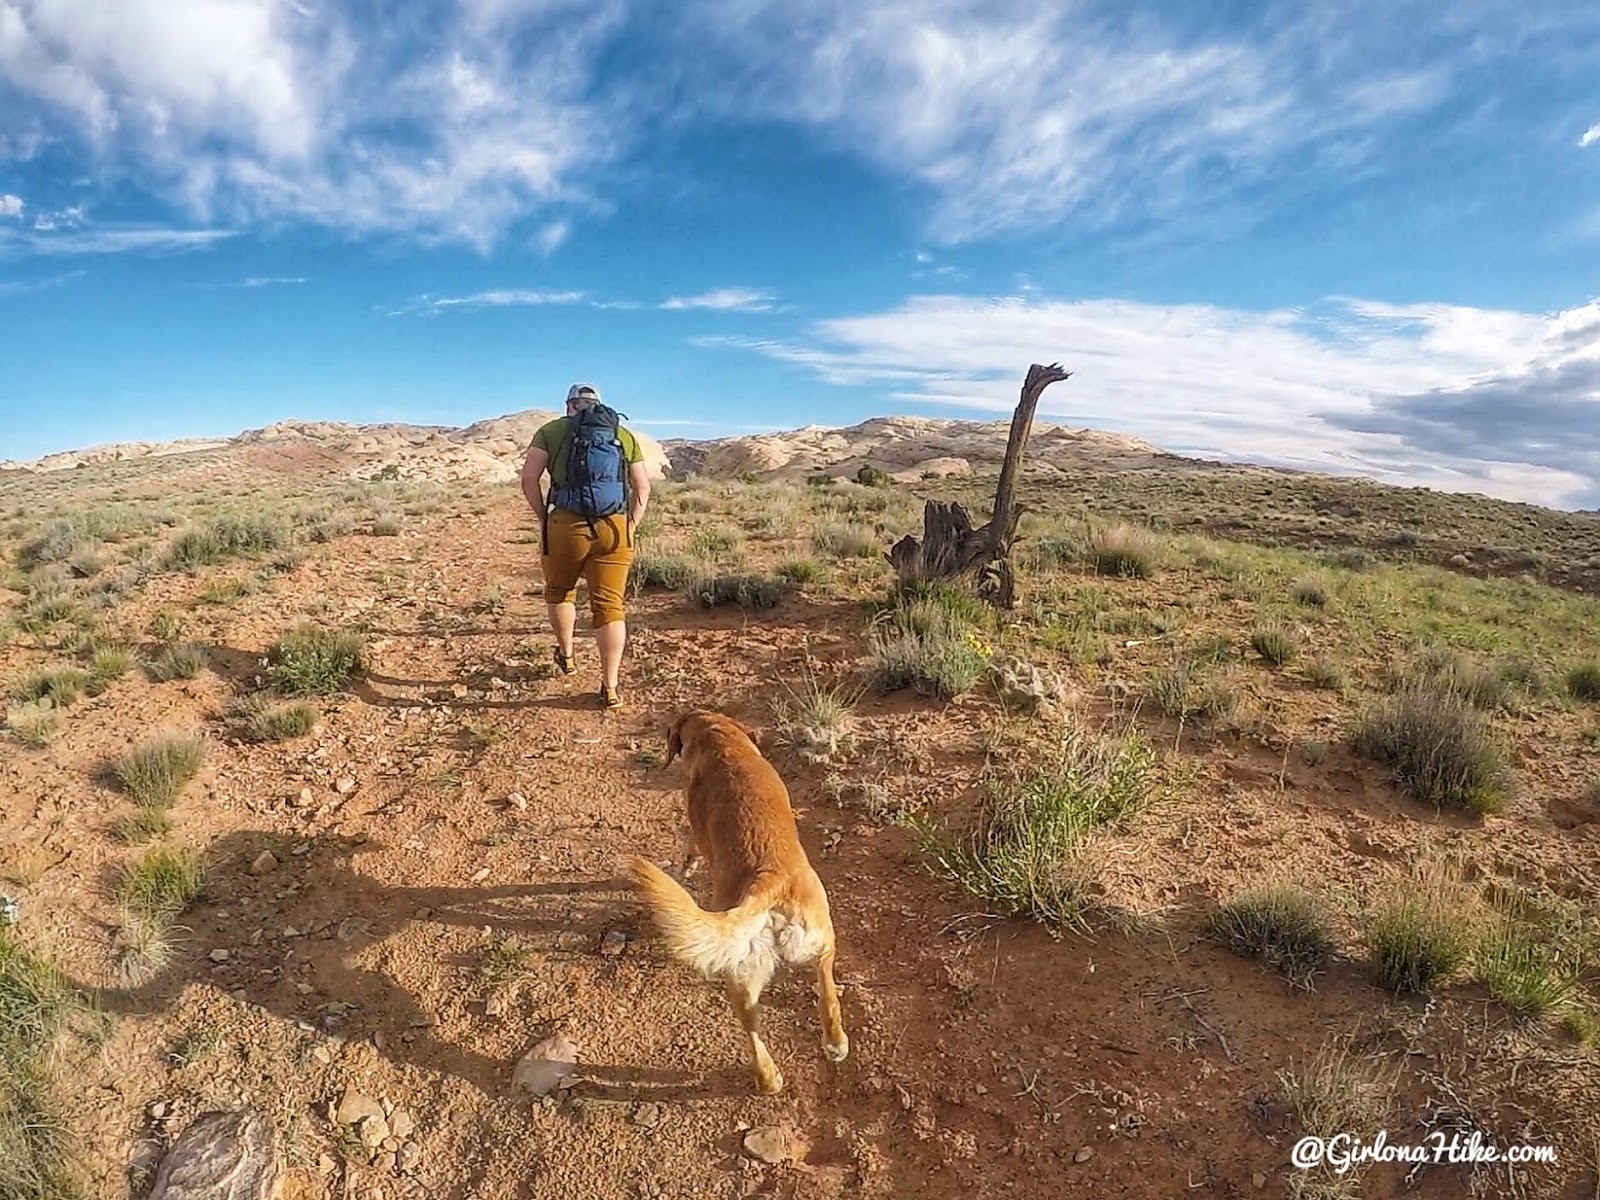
point(517, 801)
point(157, 1110)
point(408, 1158)
point(543, 1068)
point(326, 1165)
point(323, 1055)
point(306, 797)
point(613, 943)
point(1083, 1155)
point(264, 862)
point(219, 956)
point(289, 931)
point(221, 1154)
point(402, 1124)
point(354, 1107)
point(480, 875)
point(459, 691)
point(495, 1005)
point(372, 1130)
point(1460, 560)
point(775, 1144)
point(1258, 1181)
point(304, 989)
point(391, 1143)
point(648, 1115)
point(384, 1163)
point(345, 786)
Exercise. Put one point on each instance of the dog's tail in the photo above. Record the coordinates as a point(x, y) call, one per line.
point(714, 943)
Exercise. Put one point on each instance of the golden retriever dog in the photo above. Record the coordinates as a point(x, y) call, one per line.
point(768, 906)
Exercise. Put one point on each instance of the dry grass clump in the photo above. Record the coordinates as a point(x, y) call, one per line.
point(1437, 747)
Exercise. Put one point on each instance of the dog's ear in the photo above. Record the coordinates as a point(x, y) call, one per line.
point(675, 738)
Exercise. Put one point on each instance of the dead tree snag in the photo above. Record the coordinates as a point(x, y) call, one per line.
point(950, 547)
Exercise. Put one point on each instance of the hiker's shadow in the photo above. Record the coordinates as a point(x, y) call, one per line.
point(296, 937)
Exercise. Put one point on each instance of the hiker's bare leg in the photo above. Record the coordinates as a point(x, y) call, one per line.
point(610, 638)
point(563, 618)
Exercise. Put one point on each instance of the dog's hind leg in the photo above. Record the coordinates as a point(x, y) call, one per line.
point(745, 996)
point(835, 1042)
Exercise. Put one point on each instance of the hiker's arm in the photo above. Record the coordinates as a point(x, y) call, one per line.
point(639, 479)
point(532, 468)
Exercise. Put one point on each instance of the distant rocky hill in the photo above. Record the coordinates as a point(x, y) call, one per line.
point(491, 451)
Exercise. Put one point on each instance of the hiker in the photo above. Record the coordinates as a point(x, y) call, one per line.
point(599, 489)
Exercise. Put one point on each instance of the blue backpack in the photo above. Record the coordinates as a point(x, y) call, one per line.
point(597, 473)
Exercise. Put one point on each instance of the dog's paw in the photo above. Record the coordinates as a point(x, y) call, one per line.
point(772, 1084)
point(837, 1053)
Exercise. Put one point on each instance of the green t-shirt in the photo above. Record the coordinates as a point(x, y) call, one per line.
point(552, 439)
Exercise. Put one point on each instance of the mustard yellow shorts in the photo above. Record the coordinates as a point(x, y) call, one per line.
point(601, 557)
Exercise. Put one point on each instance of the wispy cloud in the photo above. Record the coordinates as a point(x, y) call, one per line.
point(10, 206)
point(1403, 393)
point(259, 281)
point(496, 298)
point(108, 240)
point(14, 287)
point(1590, 136)
point(729, 299)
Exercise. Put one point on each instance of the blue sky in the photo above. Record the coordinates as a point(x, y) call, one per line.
point(1361, 237)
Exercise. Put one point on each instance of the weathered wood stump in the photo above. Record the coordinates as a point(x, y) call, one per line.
point(951, 547)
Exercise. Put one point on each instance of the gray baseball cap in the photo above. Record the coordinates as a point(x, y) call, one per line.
point(583, 391)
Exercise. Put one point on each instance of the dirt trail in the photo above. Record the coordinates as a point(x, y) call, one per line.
point(987, 1059)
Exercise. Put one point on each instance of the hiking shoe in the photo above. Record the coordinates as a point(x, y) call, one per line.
point(609, 697)
point(564, 662)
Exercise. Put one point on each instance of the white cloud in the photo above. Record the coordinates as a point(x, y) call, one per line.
point(257, 281)
point(1017, 115)
point(46, 239)
point(462, 120)
point(451, 125)
point(496, 298)
point(1311, 388)
point(1590, 136)
point(729, 299)
point(10, 206)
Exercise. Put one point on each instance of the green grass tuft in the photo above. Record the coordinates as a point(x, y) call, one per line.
point(1283, 926)
point(1124, 550)
point(707, 590)
point(1583, 682)
point(58, 685)
point(183, 660)
point(1419, 936)
point(154, 772)
point(1275, 642)
point(161, 883)
point(1437, 748)
point(312, 661)
point(845, 540)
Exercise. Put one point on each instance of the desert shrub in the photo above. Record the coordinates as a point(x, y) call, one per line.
point(1311, 591)
point(1444, 669)
point(507, 959)
point(166, 626)
point(227, 537)
point(1583, 682)
point(1213, 649)
point(800, 571)
point(34, 723)
point(1437, 748)
point(1336, 1094)
point(926, 646)
point(1171, 688)
point(107, 664)
point(712, 540)
point(155, 771)
point(141, 826)
point(697, 502)
point(1275, 642)
point(261, 720)
point(58, 685)
point(1124, 550)
point(871, 476)
point(1283, 926)
point(710, 590)
point(661, 570)
point(36, 1003)
point(57, 542)
point(1419, 935)
point(1326, 674)
point(161, 883)
point(1022, 856)
point(324, 525)
point(309, 660)
point(815, 720)
point(387, 521)
point(184, 660)
point(842, 540)
point(1524, 972)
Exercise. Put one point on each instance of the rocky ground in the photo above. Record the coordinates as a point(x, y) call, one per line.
point(407, 902)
